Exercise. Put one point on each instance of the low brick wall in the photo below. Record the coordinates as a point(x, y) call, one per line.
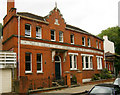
point(99, 81)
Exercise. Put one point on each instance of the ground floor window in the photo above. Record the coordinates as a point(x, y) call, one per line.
point(73, 61)
point(87, 61)
point(28, 66)
point(39, 62)
point(99, 62)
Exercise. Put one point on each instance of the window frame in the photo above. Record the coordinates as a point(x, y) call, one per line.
point(30, 71)
point(89, 44)
point(73, 61)
point(84, 56)
point(99, 62)
point(30, 30)
point(40, 36)
point(56, 21)
point(53, 35)
point(39, 71)
point(97, 44)
point(72, 38)
point(83, 41)
point(60, 36)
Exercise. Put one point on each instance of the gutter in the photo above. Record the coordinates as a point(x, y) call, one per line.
point(32, 19)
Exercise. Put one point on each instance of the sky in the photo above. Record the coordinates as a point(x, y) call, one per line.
point(92, 16)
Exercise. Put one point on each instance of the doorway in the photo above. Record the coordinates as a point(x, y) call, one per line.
point(57, 67)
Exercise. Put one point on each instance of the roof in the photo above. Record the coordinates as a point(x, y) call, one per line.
point(44, 19)
point(31, 15)
point(108, 54)
point(78, 29)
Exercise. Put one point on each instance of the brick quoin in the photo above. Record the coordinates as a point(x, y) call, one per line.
point(10, 41)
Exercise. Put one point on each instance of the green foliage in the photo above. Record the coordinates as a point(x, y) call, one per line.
point(113, 34)
point(95, 77)
point(74, 80)
point(0, 29)
point(104, 74)
point(117, 66)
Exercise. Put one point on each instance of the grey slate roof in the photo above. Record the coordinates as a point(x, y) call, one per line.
point(31, 15)
point(44, 19)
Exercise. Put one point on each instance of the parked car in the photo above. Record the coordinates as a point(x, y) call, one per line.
point(117, 82)
point(105, 89)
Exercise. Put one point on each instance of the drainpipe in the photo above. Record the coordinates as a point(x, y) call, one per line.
point(18, 47)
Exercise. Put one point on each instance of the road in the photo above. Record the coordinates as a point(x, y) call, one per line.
point(69, 91)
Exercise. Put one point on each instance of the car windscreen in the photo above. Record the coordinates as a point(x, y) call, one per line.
point(101, 89)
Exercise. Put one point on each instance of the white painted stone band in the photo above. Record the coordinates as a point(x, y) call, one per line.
point(24, 42)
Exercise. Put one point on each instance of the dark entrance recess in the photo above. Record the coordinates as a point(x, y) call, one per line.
point(57, 67)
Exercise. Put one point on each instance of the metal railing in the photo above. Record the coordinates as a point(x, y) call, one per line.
point(7, 58)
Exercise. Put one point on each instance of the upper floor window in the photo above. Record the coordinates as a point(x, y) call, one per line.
point(89, 42)
point(52, 35)
point(99, 45)
point(60, 36)
point(96, 44)
point(56, 21)
point(73, 62)
point(39, 63)
point(87, 61)
point(83, 41)
point(99, 62)
point(28, 30)
point(38, 32)
point(28, 62)
point(72, 38)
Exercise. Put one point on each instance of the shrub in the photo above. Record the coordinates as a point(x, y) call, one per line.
point(95, 77)
point(74, 80)
point(104, 74)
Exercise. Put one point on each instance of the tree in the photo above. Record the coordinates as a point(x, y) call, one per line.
point(0, 30)
point(113, 34)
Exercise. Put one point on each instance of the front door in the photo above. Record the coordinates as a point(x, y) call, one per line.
point(57, 67)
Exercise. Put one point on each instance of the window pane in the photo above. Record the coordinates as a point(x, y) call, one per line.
point(27, 57)
point(86, 61)
point(39, 57)
point(96, 44)
point(101, 63)
point(39, 61)
point(72, 38)
point(39, 66)
point(27, 30)
point(27, 66)
point(99, 45)
point(75, 62)
point(70, 61)
point(38, 32)
point(52, 35)
point(82, 61)
point(57, 58)
point(83, 40)
point(91, 65)
point(28, 61)
point(60, 36)
point(88, 41)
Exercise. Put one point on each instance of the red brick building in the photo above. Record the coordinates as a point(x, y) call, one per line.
point(50, 48)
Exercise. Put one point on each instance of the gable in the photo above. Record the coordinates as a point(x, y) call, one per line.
point(55, 18)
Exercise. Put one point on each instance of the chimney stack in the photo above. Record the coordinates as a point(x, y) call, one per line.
point(10, 4)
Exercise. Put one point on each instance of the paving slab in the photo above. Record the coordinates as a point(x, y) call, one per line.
point(79, 89)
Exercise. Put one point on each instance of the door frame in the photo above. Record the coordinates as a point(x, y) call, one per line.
point(59, 62)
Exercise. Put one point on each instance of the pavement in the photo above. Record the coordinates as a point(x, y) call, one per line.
point(73, 90)
point(70, 90)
